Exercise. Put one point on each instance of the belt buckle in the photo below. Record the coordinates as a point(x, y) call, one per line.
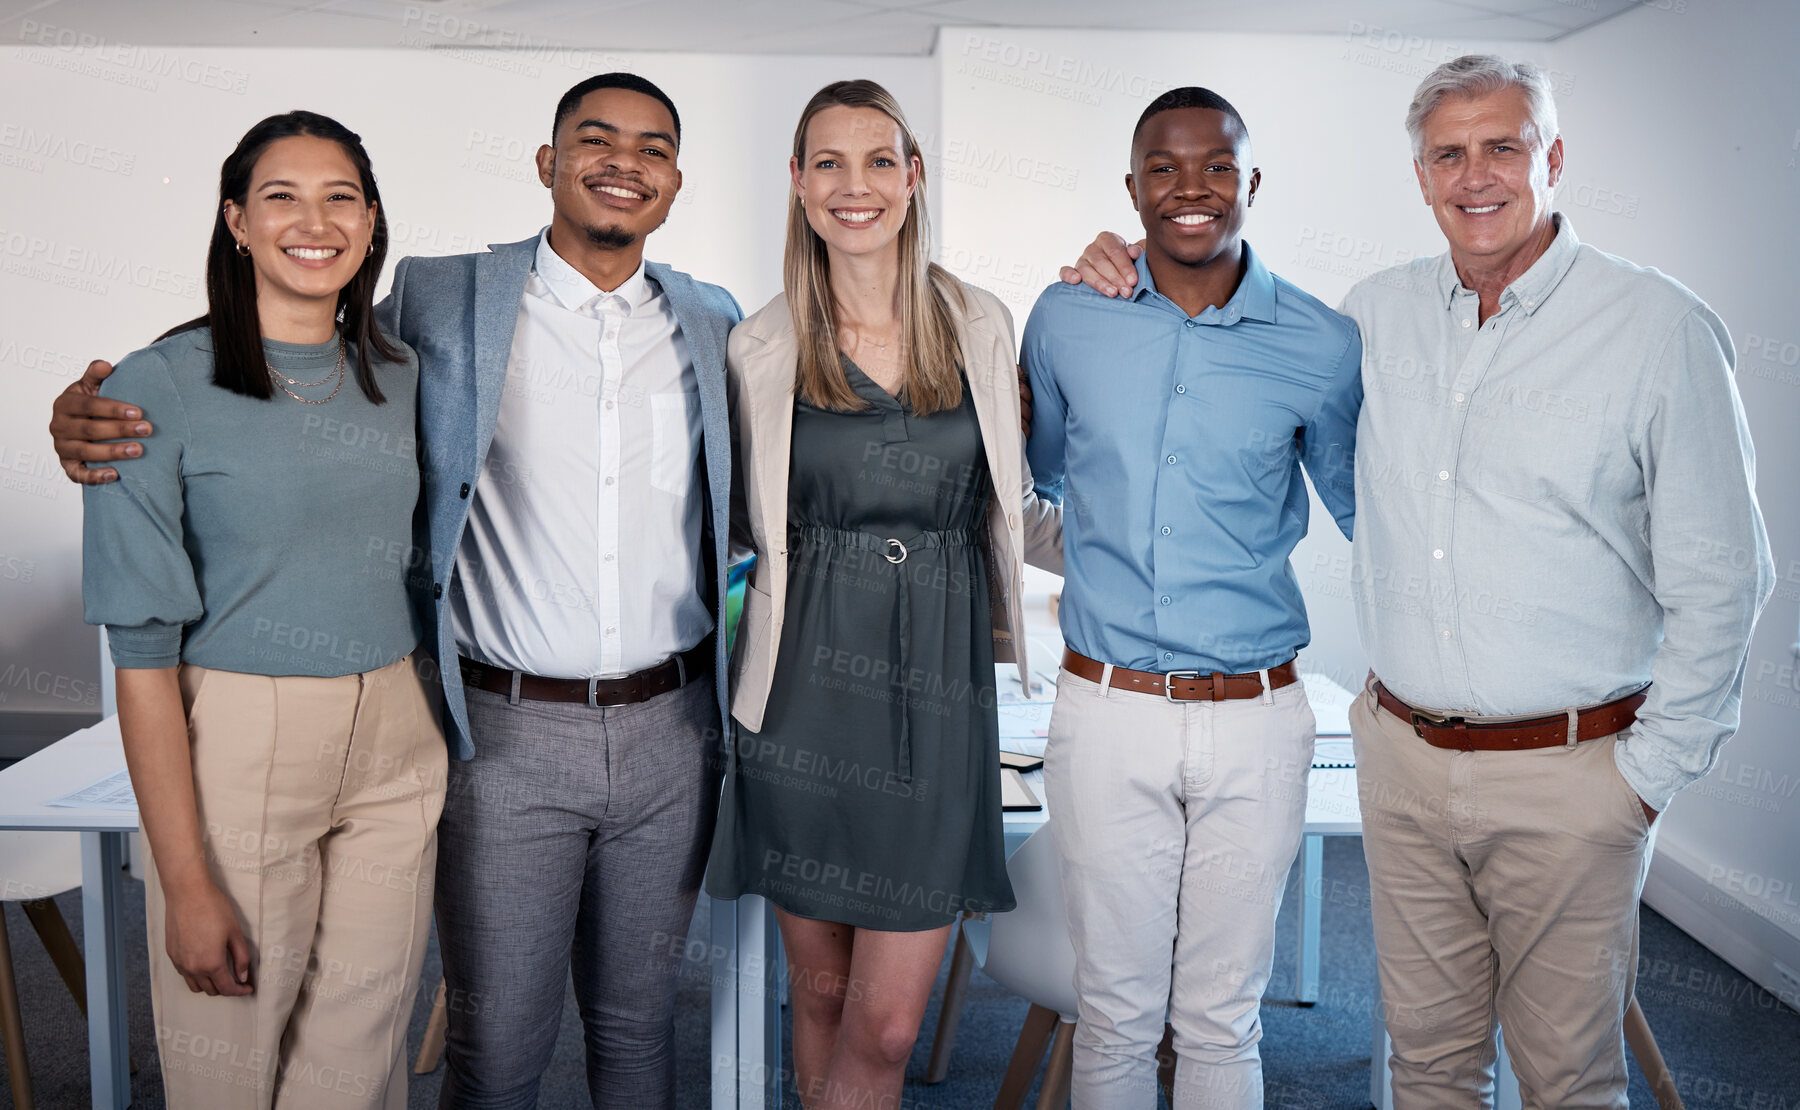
point(1420, 719)
point(890, 556)
point(593, 693)
point(1169, 685)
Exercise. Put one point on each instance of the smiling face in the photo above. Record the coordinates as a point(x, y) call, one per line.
point(611, 173)
point(1191, 183)
point(1488, 177)
point(852, 180)
point(305, 220)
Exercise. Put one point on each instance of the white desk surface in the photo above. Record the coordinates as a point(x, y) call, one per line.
point(69, 764)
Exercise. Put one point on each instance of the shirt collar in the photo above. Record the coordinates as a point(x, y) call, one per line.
point(1533, 287)
point(1253, 300)
point(572, 289)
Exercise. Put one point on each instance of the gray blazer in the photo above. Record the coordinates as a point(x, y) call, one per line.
point(458, 313)
point(760, 366)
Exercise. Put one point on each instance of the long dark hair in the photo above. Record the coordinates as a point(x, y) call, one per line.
point(238, 362)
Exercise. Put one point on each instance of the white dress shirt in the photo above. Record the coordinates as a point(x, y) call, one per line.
point(599, 429)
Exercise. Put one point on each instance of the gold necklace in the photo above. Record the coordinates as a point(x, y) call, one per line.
point(339, 371)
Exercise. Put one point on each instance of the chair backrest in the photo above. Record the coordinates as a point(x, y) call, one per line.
point(1028, 948)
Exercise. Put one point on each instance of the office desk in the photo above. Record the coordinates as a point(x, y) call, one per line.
point(69, 764)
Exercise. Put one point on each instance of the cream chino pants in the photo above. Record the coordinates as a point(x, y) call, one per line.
point(1504, 888)
point(318, 802)
point(1177, 823)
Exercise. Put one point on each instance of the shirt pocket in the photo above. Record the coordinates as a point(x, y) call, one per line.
point(674, 441)
point(1535, 443)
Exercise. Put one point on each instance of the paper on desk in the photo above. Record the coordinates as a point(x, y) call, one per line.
point(112, 792)
point(1025, 720)
point(1007, 690)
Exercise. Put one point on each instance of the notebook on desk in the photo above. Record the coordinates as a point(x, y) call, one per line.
point(1333, 753)
point(1015, 796)
point(1020, 762)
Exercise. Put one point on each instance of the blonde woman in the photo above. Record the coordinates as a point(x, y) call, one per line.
point(887, 500)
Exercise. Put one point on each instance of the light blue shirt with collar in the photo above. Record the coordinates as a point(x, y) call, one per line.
point(1175, 444)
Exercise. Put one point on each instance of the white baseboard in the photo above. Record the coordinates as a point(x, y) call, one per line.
point(1746, 933)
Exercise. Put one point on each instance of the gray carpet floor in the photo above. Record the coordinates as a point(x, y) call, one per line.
point(1730, 1044)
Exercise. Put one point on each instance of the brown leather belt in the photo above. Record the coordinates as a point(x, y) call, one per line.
point(671, 674)
point(1479, 735)
point(1182, 685)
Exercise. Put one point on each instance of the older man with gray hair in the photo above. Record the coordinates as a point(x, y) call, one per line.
point(1558, 562)
point(1557, 509)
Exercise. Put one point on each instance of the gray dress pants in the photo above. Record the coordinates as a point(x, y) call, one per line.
point(574, 840)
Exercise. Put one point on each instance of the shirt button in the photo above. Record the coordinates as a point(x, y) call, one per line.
point(1443, 475)
point(609, 479)
point(609, 556)
point(465, 491)
point(609, 404)
point(1445, 633)
point(1168, 655)
point(611, 629)
point(1012, 520)
point(1165, 529)
point(437, 589)
point(1438, 554)
point(1165, 599)
point(1191, 324)
point(1468, 323)
point(1181, 389)
point(1460, 398)
point(1171, 460)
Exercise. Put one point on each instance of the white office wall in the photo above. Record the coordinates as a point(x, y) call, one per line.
point(109, 165)
point(1683, 151)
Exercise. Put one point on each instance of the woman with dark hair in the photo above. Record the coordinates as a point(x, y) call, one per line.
point(886, 496)
point(248, 567)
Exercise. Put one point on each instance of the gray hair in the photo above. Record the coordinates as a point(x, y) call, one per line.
point(1475, 75)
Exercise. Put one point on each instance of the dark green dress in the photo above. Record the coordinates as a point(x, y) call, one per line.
point(872, 795)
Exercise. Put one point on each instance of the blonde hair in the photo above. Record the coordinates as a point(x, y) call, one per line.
point(931, 379)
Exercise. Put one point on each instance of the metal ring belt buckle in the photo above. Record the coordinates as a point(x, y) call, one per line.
point(1169, 678)
point(901, 558)
point(1420, 719)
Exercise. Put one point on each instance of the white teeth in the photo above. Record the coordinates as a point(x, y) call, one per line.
point(1194, 219)
point(615, 191)
point(1479, 211)
point(312, 254)
point(856, 217)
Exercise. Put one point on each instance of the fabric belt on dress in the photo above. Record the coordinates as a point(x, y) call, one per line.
point(1182, 685)
point(1477, 734)
point(671, 674)
point(895, 551)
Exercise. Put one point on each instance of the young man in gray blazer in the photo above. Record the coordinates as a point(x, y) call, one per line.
point(568, 390)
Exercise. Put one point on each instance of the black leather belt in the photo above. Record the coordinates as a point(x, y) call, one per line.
point(671, 674)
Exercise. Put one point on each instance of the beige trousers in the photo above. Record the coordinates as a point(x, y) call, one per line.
point(318, 802)
point(1177, 823)
point(1504, 888)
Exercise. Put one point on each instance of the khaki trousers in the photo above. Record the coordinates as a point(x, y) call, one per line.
point(1177, 823)
point(1504, 888)
point(318, 802)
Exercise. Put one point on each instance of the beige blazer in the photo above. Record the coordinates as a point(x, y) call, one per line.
point(759, 375)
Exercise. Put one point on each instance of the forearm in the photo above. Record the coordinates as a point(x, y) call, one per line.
point(154, 726)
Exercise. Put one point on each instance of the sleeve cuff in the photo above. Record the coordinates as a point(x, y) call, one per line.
point(146, 647)
point(1655, 780)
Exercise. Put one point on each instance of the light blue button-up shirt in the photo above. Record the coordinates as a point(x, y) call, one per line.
point(1175, 444)
point(1558, 505)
